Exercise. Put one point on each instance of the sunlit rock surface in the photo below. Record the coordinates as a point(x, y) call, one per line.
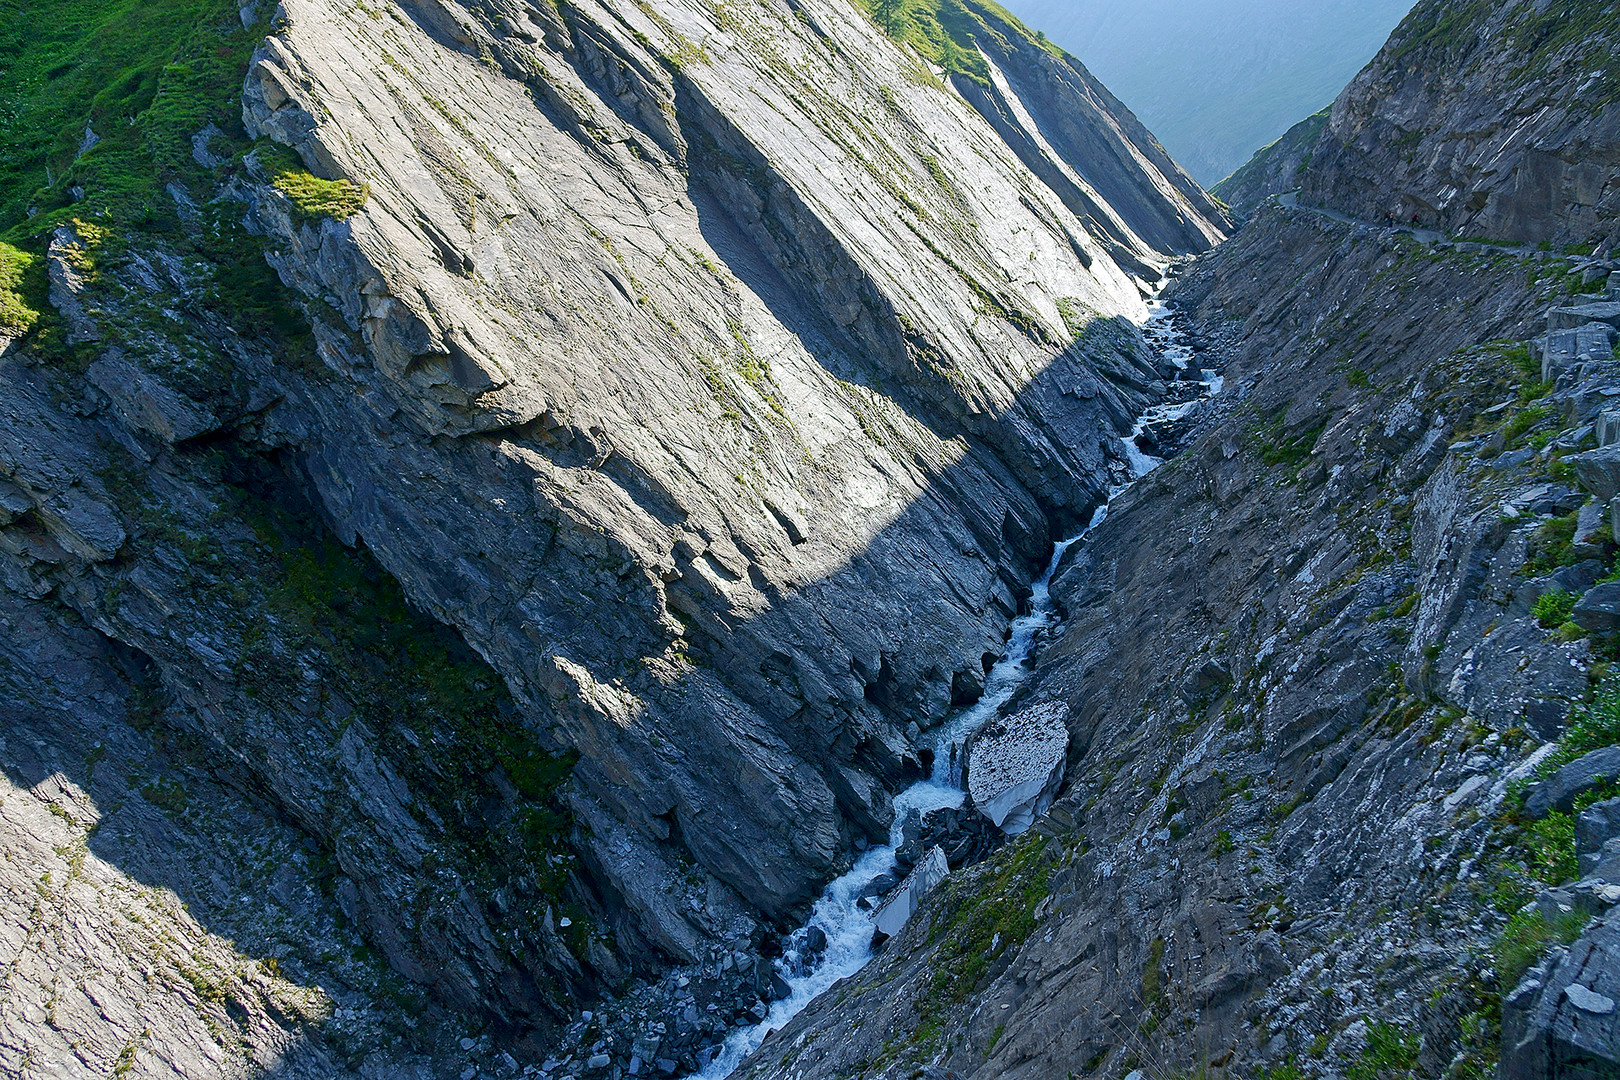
point(1014, 764)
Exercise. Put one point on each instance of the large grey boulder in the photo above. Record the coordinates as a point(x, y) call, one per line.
point(1594, 827)
point(1562, 1019)
point(1559, 791)
point(1599, 471)
point(1015, 763)
point(1603, 865)
point(1589, 531)
point(145, 403)
point(1562, 349)
point(1599, 610)
point(1567, 318)
point(908, 897)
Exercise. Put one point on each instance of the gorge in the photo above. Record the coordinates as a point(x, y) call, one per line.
point(502, 503)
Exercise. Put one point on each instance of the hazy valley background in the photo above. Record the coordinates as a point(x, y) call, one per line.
point(1216, 80)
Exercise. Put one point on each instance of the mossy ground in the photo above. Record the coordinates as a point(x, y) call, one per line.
point(146, 77)
point(312, 197)
point(413, 682)
point(16, 316)
point(984, 917)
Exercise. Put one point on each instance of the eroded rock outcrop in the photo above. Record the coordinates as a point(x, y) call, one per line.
point(1499, 121)
point(1311, 674)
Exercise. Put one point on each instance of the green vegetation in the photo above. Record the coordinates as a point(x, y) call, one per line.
point(143, 75)
point(312, 197)
point(1153, 975)
point(1552, 546)
point(414, 684)
point(1276, 447)
point(1286, 1071)
point(146, 76)
point(167, 793)
point(1553, 608)
point(1537, 32)
point(315, 198)
point(1390, 1053)
point(1550, 844)
point(1543, 851)
point(1526, 937)
point(16, 316)
point(986, 916)
point(1592, 725)
point(947, 32)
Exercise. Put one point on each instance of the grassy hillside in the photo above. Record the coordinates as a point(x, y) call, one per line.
point(946, 32)
point(142, 77)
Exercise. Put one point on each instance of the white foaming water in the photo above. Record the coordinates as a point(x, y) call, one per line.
point(1164, 334)
point(847, 926)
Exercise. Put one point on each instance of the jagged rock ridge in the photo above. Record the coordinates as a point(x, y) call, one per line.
point(1482, 120)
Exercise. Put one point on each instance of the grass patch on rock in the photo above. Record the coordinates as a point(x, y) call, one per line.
point(17, 316)
point(1553, 608)
point(312, 197)
point(1552, 546)
point(1526, 937)
point(987, 913)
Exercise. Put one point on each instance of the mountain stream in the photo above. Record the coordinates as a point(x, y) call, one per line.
point(846, 925)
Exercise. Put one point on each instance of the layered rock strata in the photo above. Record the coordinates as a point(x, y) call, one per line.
point(1304, 679)
point(691, 390)
point(1484, 120)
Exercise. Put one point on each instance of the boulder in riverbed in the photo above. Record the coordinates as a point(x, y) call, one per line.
point(905, 900)
point(1014, 764)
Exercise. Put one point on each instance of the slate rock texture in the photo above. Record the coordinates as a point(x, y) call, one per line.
point(1562, 1021)
point(1559, 791)
point(687, 406)
point(1301, 682)
point(1482, 123)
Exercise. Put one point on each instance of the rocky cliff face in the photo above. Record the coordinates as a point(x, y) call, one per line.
point(1484, 120)
point(1302, 672)
point(657, 416)
point(1315, 664)
point(1275, 168)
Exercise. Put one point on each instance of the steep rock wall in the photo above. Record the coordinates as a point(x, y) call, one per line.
point(714, 371)
point(1303, 676)
point(1493, 120)
point(673, 437)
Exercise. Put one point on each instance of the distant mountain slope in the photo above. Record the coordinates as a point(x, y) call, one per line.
point(1496, 119)
point(1486, 119)
point(1214, 89)
point(1275, 167)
